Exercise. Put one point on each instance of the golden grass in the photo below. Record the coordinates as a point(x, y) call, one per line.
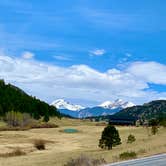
point(63, 146)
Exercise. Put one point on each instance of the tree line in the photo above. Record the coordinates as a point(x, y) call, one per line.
point(14, 99)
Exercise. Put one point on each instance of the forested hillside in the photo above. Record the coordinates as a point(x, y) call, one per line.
point(153, 109)
point(13, 98)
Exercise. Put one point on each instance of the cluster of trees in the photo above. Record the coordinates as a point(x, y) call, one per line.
point(13, 98)
point(17, 119)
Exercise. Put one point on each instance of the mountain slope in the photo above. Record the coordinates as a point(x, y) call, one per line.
point(149, 110)
point(96, 111)
point(13, 98)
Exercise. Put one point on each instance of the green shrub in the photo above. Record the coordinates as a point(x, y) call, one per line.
point(128, 155)
point(85, 161)
point(131, 139)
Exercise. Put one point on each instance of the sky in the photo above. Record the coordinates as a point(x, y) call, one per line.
point(85, 51)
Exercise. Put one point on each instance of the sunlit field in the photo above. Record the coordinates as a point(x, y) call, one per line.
point(60, 146)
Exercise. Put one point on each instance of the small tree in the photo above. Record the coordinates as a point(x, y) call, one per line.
point(131, 139)
point(154, 124)
point(109, 138)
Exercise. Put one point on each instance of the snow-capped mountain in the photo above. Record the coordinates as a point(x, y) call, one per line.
point(105, 108)
point(62, 104)
point(119, 103)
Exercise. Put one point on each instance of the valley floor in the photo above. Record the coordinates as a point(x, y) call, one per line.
point(61, 146)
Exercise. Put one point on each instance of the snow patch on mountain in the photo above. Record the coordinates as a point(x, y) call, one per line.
point(62, 104)
point(119, 103)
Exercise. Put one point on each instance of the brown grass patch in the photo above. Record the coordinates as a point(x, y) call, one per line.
point(15, 152)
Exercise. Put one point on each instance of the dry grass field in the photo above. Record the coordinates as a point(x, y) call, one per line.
point(60, 146)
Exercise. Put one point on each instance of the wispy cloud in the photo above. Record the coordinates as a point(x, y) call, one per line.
point(20, 41)
point(28, 55)
point(97, 52)
point(48, 81)
point(114, 20)
point(62, 58)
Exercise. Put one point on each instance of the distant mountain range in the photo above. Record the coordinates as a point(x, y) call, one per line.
point(77, 111)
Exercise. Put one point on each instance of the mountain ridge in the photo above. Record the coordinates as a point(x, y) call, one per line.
point(105, 108)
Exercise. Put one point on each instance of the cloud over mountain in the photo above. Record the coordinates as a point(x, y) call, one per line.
point(49, 81)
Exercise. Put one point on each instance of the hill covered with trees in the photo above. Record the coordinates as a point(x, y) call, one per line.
point(14, 99)
point(154, 109)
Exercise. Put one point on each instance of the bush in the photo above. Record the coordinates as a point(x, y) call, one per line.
point(40, 144)
point(85, 161)
point(109, 138)
point(131, 139)
point(43, 125)
point(153, 122)
point(128, 155)
point(154, 130)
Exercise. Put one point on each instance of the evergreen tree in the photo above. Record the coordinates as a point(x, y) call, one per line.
point(46, 117)
point(109, 138)
point(154, 123)
point(36, 115)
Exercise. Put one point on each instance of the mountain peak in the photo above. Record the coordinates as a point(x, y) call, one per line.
point(63, 104)
point(118, 103)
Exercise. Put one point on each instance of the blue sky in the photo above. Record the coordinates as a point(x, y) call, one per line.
point(83, 37)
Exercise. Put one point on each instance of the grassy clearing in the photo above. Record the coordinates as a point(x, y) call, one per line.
point(61, 147)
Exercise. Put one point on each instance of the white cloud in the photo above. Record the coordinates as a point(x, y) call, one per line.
point(97, 52)
point(61, 57)
point(27, 55)
point(49, 82)
point(151, 72)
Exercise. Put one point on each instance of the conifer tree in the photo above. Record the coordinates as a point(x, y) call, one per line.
point(109, 138)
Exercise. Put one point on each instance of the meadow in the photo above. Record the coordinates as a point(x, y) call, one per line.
point(61, 146)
